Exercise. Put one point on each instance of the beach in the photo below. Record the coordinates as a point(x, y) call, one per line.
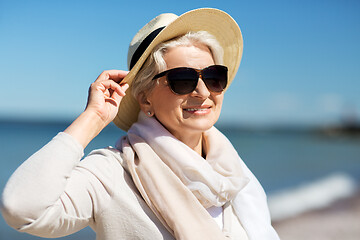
point(339, 221)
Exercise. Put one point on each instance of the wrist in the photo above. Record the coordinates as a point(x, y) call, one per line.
point(86, 127)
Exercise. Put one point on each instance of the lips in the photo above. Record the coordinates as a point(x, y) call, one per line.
point(197, 109)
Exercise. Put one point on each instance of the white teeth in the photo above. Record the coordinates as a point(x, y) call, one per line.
point(195, 109)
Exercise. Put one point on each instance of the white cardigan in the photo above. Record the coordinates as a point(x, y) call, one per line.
point(53, 194)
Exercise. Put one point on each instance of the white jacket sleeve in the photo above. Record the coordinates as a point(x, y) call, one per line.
point(51, 194)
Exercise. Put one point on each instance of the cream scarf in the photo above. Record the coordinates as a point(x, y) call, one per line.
point(178, 184)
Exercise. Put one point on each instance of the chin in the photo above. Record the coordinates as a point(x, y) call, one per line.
point(200, 125)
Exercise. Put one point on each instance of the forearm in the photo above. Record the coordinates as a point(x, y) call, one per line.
point(86, 127)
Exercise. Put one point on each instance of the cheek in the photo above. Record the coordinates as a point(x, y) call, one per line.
point(165, 103)
point(170, 114)
point(171, 108)
point(218, 99)
point(165, 108)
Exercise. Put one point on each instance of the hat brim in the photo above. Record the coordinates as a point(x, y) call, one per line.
point(216, 22)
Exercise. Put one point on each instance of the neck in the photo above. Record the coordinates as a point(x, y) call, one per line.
point(195, 142)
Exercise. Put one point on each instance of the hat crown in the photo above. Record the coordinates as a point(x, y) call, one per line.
point(160, 21)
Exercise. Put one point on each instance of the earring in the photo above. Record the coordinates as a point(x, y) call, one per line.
point(149, 113)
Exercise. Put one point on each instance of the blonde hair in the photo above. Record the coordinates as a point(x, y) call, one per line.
point(155, 63)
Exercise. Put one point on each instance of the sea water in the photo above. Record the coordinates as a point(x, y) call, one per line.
point(291, 165)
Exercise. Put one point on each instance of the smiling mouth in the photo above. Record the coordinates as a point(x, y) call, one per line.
point(197, 109)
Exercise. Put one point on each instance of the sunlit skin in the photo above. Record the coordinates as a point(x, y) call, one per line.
point(186, 116)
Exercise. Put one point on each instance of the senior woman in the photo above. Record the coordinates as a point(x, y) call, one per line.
point(174, 175)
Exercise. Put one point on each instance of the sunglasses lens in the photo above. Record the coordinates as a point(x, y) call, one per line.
point(182, 80)
point(215, 78)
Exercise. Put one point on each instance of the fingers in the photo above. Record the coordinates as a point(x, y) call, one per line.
point(108, 90)
point(110, 82)
point(115, 75)
point(112, 86)
point(118, 95)
point(108, 87)
point(106, 93)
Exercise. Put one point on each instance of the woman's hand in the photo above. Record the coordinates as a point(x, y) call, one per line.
point(104, 98)
point(105, 95)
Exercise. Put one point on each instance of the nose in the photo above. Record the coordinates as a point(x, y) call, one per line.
point(201, 91)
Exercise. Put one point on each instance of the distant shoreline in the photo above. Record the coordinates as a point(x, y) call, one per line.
point(33, 121)
point(327, 131)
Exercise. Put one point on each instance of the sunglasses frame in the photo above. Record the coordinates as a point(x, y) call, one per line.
point(199, 75)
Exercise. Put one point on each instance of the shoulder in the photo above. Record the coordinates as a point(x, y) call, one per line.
point(102, 161)
point(99, 169)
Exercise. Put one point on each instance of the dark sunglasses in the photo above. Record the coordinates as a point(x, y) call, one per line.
point(183, 80)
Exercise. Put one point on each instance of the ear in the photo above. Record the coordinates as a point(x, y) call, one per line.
point(145, 104)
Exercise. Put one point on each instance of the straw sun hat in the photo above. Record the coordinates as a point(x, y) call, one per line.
point(168, 26)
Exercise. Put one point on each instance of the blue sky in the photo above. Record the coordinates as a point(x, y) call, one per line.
point(301, 62)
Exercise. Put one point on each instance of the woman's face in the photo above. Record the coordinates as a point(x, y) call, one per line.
point(192, 113)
